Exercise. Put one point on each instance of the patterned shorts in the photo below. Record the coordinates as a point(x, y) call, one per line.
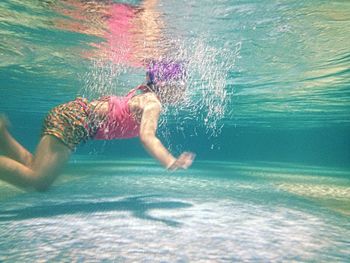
point(69, 122)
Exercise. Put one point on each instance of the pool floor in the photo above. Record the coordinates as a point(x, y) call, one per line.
point(134, 211)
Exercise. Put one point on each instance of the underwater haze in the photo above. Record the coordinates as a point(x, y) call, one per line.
point(267, 112)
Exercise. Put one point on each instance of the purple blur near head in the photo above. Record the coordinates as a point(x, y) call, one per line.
point(165, 70)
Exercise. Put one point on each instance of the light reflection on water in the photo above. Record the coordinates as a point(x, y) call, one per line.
point(293, 66)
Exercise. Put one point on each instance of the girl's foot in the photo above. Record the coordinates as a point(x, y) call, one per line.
point(4, 122)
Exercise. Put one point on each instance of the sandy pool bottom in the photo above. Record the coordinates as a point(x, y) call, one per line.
point(133, 211)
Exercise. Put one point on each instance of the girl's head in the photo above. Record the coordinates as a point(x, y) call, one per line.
point(167, 79)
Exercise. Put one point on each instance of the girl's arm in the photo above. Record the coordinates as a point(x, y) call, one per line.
point(148, 128)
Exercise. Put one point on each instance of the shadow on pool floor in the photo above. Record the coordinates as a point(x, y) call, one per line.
point(138, 206)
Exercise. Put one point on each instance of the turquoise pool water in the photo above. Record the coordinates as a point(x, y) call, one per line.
point(267, 115)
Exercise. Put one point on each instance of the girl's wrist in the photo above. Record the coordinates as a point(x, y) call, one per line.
point(170, 164)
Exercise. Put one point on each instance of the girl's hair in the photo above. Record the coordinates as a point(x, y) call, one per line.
point(165, 71)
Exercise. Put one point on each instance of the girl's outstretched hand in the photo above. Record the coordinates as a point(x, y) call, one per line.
point(184, 161)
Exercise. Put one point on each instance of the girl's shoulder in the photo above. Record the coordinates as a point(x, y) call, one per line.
point(150, 96)
point(142, 100)
point(145, 98)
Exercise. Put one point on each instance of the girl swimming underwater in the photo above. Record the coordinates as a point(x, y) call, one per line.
point(107, 118)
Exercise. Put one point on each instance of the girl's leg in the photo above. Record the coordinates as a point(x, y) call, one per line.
point(16, 173)
point(10, 147)
point(51, 155)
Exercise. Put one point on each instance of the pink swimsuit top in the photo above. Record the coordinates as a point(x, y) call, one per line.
point(119, 123)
